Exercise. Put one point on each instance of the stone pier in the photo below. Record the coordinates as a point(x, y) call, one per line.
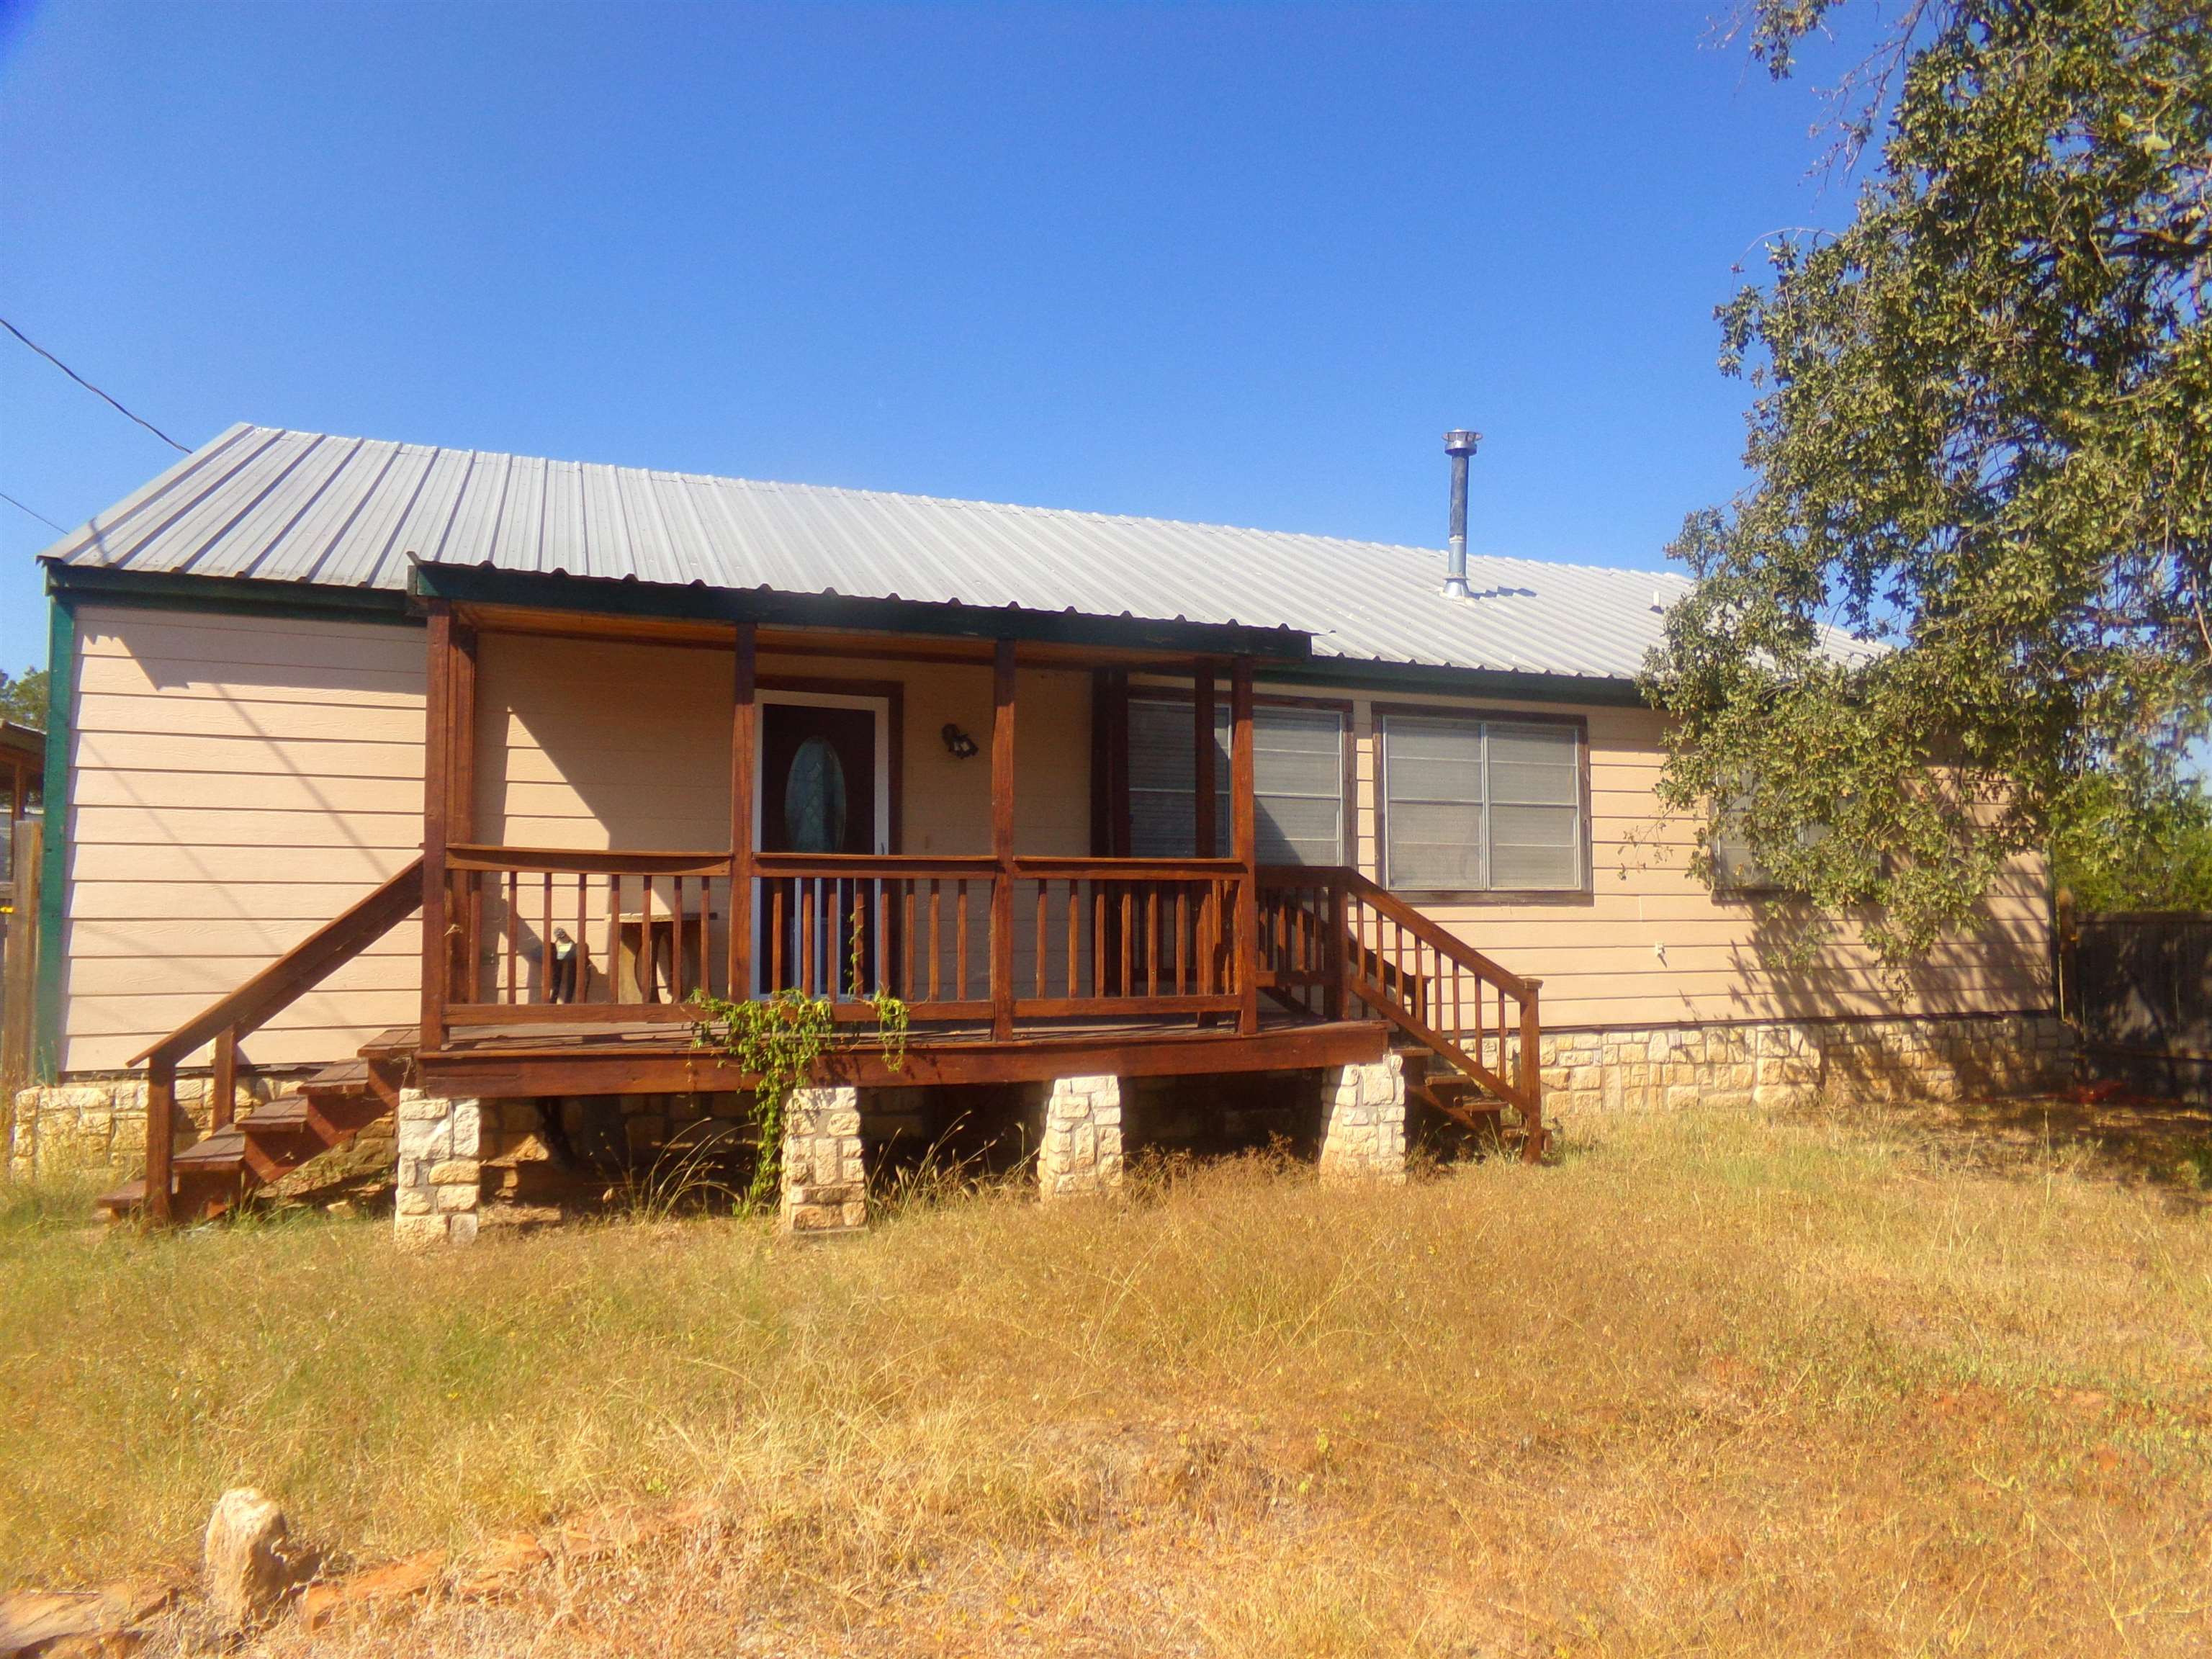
point(1364, 1123)
point(439, 1177)
point(825, 1183)
point(1082, 1150)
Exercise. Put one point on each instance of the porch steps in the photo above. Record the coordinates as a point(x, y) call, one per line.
point(216, 1172)
point(1452, 1094)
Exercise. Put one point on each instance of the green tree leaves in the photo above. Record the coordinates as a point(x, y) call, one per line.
point(23, 697)
point(1965, 607)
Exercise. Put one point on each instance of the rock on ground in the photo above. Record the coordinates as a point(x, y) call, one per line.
point(250, 1563)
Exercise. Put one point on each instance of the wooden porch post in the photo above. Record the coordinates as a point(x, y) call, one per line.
point(463, 960)
point(1244, 831)
point(1203, 785)
point(1002, 841)
point(1532, 1070)
point(745, 746)
point(437, 758)
point(161, 1134)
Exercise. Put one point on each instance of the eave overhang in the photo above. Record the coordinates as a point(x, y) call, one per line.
point(626, 597)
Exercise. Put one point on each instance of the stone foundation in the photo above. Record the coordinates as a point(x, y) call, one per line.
point(1799, 1062)
point(825, 1183)
point(1363, 1133)
point(439, 1178)
point(100, 1123)
point(1081, 1153)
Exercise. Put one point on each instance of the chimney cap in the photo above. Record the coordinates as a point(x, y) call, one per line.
point(1461, 443)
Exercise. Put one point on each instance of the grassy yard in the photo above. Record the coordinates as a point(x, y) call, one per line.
point(1848, 1385)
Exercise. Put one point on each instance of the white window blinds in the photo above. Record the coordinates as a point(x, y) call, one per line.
point(1473, 805)
point(1298, 772)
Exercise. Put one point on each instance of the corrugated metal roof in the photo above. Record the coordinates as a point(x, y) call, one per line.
point(283, 506)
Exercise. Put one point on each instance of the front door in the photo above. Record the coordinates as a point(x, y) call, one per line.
point(819, 779)
point(821, 790)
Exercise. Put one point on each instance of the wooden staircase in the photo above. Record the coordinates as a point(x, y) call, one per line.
point(234, 1159)
point(1468, 1032)
point(1449, 1093)
point(317, 1115)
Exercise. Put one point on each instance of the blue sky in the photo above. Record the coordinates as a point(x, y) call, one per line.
point(1239, 264)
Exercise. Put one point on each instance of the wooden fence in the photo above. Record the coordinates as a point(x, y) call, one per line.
point(2138, 986)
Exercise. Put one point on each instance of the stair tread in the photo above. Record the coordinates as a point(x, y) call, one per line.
point(345, 1074)
point(1454, 1086)
point(398, 1043)
point(287, 1111)
point(223, 1147)
point(133, 1193)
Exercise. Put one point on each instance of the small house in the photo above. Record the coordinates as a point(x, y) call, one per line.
point(398, 783)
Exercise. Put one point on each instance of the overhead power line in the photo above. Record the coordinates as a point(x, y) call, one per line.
point(33, 511)
point(90, 388)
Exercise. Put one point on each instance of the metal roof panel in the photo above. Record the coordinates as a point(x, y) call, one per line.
point(286, 506)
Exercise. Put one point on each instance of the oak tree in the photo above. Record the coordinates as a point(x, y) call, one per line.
point(1962, 609)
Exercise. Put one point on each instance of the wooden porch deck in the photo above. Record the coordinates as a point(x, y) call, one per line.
point(655, 1056)
point(566, 971)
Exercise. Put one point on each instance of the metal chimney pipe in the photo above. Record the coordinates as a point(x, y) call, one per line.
point(1459, 445)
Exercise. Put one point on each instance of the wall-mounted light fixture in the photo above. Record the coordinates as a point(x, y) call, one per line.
point(958, 744)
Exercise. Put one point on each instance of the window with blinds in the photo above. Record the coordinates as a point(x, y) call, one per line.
point(1298, 782)
point(1481, 806)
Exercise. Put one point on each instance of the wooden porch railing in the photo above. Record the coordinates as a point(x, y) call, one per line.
point(549, 935)
point(556, 934)
point(252, 1004)
point(546, 935)
point(1329, 938)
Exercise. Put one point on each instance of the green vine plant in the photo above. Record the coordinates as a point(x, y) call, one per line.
point(781, 1037)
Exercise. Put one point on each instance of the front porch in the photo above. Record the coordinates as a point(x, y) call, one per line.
point(1026, 941)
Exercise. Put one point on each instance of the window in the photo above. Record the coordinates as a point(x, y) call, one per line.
point(1736, 869)
point(1481, 806)
point(1298, 782)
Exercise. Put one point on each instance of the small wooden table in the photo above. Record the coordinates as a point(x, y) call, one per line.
point(648, 940)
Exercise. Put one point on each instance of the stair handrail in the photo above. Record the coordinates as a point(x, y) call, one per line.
point(1524, 1093)
point(252, 1004)
point(1445, 942)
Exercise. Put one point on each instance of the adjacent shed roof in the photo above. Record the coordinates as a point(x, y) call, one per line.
point(24, 746)
point(281, 506)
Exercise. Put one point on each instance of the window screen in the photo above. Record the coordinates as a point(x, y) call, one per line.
point(1298, 782)
point(1470, 805)
point(1735, 868)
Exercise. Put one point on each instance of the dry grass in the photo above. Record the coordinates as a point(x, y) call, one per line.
point(1714, 1385)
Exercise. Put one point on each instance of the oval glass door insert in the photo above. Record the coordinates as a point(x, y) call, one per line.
point(814, 799)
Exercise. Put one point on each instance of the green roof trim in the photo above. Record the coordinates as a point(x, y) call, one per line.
point(232, 595)
point(695, 601)
point(53, 874)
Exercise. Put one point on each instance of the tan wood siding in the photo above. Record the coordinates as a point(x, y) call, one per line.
point(238, 781)
point(610, 743)
point(1600, 955)
point(605, 744)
